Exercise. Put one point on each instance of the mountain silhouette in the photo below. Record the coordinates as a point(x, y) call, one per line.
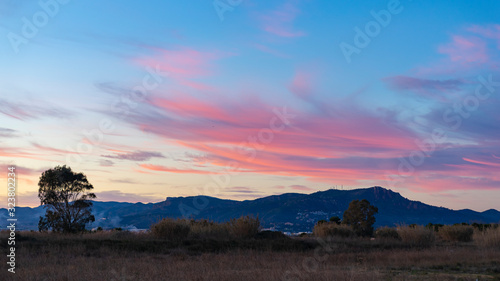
point(289, 212)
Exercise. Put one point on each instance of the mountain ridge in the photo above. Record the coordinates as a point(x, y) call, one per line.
point(288, 212)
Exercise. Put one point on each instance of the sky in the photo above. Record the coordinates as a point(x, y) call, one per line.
point(242, 99)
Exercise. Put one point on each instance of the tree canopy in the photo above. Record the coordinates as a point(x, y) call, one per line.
point(66, 196)
point(361, 216)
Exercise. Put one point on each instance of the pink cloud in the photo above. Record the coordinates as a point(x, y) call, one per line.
point(352, 146)
point(302, 84)
point(159, 168)
point(280, 21)
point(491, 32)
point(482, 162)
point(473, 49)
point(182, 62)
point(183, 65)
point(465, 50)
point(301, 187)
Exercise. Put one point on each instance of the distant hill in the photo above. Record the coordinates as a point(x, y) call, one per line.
point(290, 212)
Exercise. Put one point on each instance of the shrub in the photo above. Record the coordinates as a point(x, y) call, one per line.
point(178, 229)
point(171, 229)
point(205, 229)
point(387, 233)
point(336, 220)
point(416, 236)
point(244, 227)
point(489, 238)
point(456, 233)
point(333, 229)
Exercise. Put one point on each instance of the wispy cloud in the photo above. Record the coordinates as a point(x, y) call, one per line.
point(127, 181)
point(106, 163)
point(472, 49)
point(301, 187)
point(280, 22)
point(8, 133)
point(119, 196)
point(27, 111)
point(465, 50)
point(241, 189)
point(159, 168)
point(136, 156)
point(489, 31)
point(424, 87)
point(184, 65)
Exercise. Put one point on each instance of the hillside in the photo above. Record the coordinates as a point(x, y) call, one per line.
point(291, 212)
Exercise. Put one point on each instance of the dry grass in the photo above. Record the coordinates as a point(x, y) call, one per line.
point(171, 229)
point(387, 233)
point(244, 227)
point(330, 229)
point(105, 256)
point(416, 236)
point(456, 233)
point(489, 238)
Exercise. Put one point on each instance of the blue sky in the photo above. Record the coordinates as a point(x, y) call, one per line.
point(160, 99)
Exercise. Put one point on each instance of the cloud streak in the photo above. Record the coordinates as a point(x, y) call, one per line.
point(279, 22)
point(138, 156)
point(27, 111)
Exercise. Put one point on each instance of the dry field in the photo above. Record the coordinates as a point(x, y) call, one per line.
point(126, 256)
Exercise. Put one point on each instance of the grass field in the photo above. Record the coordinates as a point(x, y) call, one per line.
point(118, 255)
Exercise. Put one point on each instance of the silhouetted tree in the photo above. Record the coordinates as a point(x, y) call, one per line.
point(335, 219)
point(361, 216)
point(66, 196)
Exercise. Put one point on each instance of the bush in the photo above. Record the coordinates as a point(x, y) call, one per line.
point(204, 229)
point(244, 227)
point(489, 238)
point(171, 229)
point(333, 229)
point(456, 233)
point(178, 229)
point(416, 236)
point(387, 233)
